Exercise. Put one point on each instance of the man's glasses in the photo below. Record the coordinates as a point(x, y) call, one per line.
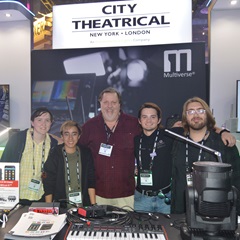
point(193, 111)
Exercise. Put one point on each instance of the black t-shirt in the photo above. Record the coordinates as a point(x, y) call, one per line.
point(162, 162)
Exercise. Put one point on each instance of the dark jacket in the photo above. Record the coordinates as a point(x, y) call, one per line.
point(54, 167)
point(15, 147)
point(229, 155)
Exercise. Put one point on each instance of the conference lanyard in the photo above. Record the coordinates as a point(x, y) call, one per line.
point(110, 131)
point(43, 155)
point(68, 170)
point(188, 170)
point(153, 154)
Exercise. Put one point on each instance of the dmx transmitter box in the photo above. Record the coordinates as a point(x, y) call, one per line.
point(46, 208)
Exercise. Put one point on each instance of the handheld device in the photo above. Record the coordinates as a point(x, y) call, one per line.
point(9, 172)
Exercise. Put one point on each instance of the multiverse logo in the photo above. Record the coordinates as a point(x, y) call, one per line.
point(176, 58)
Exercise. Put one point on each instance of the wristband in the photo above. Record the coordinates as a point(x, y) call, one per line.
point(223, 130)
point(94, 204)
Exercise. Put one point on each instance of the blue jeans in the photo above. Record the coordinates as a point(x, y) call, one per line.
point(145, 203)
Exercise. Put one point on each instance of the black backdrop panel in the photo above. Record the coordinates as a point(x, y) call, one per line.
point(68, 81)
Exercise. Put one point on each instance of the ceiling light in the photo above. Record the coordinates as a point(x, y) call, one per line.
point(8, 15)
point(208, 3)
point(4, 131)
point(233, 2)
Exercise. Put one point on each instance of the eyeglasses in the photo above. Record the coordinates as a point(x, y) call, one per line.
point(197, 111)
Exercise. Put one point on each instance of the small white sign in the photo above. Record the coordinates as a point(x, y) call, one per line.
point(9, 184)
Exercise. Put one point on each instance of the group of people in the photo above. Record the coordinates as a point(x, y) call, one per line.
point(95, 164)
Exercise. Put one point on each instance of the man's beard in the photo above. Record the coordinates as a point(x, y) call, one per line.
point(197, 126)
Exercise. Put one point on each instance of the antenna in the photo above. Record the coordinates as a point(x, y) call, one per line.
point(69, 109)
point(218, 154)
point(83, 112)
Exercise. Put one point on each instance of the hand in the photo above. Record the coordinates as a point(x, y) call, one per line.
point(60, 140)
point(228, 139)
point(177, 124)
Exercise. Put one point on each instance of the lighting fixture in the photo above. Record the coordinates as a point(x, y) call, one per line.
point(233, 2)
point(4, 131)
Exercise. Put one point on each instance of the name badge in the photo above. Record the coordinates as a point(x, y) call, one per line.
point(146, 178)
point(75, 197)
point(105, 149)
point(189, 179)
point(34, 185)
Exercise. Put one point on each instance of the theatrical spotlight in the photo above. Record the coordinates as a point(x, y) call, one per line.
point(136, 72)
point(211, 203)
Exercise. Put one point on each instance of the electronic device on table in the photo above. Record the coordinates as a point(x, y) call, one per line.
point(109, 222)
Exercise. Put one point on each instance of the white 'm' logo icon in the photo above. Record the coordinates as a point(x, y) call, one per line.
point(177, 53)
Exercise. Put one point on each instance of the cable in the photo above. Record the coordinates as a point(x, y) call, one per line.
point(113, 216)
point(68, 201)
point(3, 218)
point(68, 230)
point(54, 210)
point(165, 232)
point(4, 215)
point(178, 223)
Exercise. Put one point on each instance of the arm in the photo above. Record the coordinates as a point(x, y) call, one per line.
point(48, 198)
point(59, 139)
point(92, 195)
point(50, 168)
point(91, 179)
point(227, 138)
point(177, 124)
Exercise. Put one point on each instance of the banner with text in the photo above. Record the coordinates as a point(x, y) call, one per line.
point(122, 23)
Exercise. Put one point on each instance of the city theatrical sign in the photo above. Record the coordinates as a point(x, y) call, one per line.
point(122, 23)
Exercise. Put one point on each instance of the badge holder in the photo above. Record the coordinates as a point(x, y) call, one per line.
point(146, 178)
point(34, 185)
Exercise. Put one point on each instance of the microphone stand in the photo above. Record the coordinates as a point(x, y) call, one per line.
point(218, 154)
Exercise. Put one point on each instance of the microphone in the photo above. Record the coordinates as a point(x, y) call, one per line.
point(218, 154)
